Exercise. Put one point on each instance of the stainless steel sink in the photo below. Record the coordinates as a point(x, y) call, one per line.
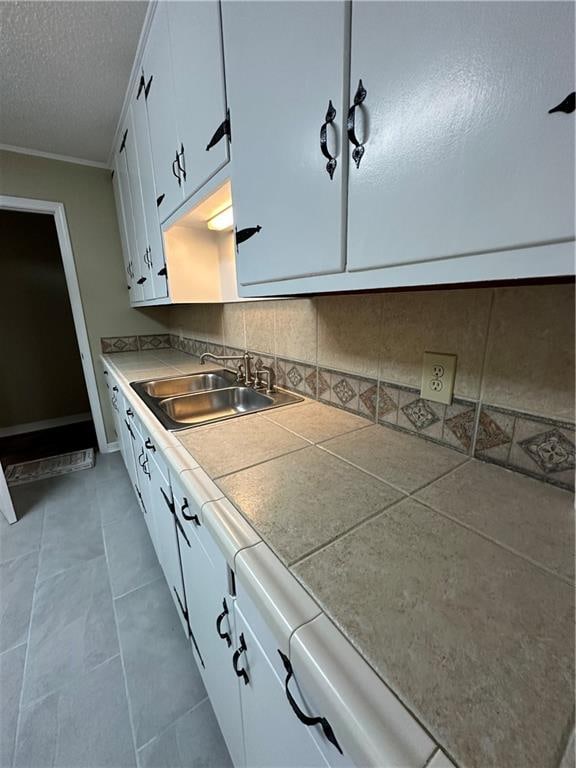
point(218, 404)
point(202, 398)
point(184, 385)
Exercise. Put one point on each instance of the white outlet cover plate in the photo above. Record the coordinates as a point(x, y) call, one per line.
point(438, 373)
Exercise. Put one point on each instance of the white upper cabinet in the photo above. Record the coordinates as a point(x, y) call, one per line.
point(186, 98)
point(121, 216)
point(155, 263)
point(131, 256)
point(461, 155)
point(160, 102)
point(200, 96)
point(285, 64)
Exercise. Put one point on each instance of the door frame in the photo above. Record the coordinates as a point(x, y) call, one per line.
point(30, 205)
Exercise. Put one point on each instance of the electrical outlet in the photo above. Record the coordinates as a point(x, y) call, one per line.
point(438, 373)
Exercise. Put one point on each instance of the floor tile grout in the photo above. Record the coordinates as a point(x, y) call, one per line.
point(167, 727)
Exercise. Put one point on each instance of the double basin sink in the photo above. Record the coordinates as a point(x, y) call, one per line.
point(202, 398)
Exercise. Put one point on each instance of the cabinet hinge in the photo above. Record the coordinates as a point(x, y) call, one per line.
point(123, 141)
point(162, 272)
point(141, 86)
point(159, 200)
point(141, 281)
point(147, 86)
point(244, 234)
point(222, 130)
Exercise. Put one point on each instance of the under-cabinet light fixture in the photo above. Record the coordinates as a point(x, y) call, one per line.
point(223, 220)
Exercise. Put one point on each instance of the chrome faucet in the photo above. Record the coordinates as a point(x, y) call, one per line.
point(244, 372)
point(269, 381)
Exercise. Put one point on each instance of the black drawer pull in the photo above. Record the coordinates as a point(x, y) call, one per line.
point(195, 519)
point(358, 150)
point(236, 658)
point(150, 445)
point(114, 388)
point(140, 459)
point(328, 120)
point(304, 718)
point(219, 620)
point(105, 373)
point(181, 168)
point(145, 468)
point(129, 412)
point(568, 105)
point(245, 234)
point(174, 164)
point(222, 130)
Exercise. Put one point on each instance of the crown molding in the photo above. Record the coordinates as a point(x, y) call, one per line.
point(52, 156)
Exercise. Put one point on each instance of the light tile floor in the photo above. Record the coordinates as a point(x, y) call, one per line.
point(95, 671)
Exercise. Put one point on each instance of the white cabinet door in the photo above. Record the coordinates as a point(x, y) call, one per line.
point(136, 292)
point(143, 275)
point(273, 736)
point(160, 104)
point(461, 154)
point(285, 61)
point(210, 612)
point(156, 261)
point(122, 228)
point(197, 64)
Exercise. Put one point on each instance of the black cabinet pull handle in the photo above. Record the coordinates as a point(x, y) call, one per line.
point(302, 716)
point(328, 120)
point(145, 468)
point(568, 105)
point(114, 388)
point(183, 509)
point(236, 658)
point(129, 412)
point(140, 457)
point(245, 234)
point(219, 620)
point(150, 445)
point(358, 150)
point(222, 130)
point(179, 155)
point(174, 163)
point(105, 373)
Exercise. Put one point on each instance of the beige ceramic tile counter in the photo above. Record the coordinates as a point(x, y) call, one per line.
point(300, 502)
point(454, 601)
point(402, 460)
point(538, 521)
point(477, 642)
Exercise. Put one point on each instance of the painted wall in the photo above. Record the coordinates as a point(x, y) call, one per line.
point(87, 195)
point(37, 336)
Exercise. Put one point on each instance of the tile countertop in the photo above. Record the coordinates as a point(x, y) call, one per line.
point(452, 577)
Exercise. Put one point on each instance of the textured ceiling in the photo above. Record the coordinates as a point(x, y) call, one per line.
point(64, 68)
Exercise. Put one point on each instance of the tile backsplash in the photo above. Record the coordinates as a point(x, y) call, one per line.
point(514, 389)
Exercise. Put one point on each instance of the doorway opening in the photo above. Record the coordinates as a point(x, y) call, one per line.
point(44, 405)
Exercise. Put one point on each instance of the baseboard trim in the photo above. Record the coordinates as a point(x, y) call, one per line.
point(36, 426)
point(111, 447)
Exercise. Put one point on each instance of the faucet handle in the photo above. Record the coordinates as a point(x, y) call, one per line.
point(261, 371)
point(240, 374)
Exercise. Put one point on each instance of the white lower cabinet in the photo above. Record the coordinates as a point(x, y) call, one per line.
point(288, 690)
point(211, 616)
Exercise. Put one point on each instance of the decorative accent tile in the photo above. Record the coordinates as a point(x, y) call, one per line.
point(420, 414)
point(368, 399)
point(344, 391)
point(551, 451)
point(119, 344)
point(387, 404)
point(157, 341)
point(541, 448)
point(174, 339)
point(459, 424)
point(296, 376)
point(215, 349)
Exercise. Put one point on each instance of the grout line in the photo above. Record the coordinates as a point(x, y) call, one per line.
point(487, 337)
point(343, 534)
point(13, 648)
point(167, 727)
point(26, 656)
point(67, 685)
point(257, 463)
point(140, 586)
point(499, 544)
point(122, 664)
point(448, 472)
